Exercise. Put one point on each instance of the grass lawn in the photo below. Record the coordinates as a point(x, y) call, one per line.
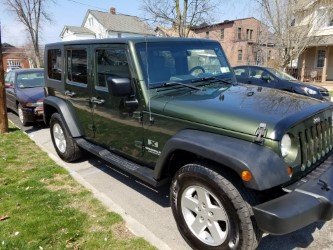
point(42, 207)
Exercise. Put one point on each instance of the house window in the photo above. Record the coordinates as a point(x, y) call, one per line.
point(269, 55)
point(222, 34)
point(207, 34)
point(251, 33)
point(330, 22)
point(320, 58)
point(240, 55)
point(13, 63)
point(54, 64)
point(91, 21)
point(77, 66)
point(247, 34)
point(239, 33)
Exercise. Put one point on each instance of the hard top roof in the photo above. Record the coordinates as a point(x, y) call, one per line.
point(129, 40)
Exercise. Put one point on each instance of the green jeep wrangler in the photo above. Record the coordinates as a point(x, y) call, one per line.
point(240, 159)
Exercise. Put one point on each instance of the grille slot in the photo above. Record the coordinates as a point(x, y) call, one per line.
point(315, 141)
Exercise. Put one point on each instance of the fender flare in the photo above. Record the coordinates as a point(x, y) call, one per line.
point(268, 168)
point(66, 110)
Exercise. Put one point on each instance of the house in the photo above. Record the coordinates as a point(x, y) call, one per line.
point(99, 24)
point(316, 61)
point(245, 41)
point(171, 32)
point(14, 57)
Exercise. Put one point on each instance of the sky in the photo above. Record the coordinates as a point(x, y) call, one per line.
point(72, 12)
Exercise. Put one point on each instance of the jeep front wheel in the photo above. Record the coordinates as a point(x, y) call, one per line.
point(64, 144)
point(210, 212)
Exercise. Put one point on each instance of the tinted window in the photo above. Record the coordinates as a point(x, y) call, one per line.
point(54, 64)
point(111, 63)
point(241, 72)
point(259, 73)
point(77, 66)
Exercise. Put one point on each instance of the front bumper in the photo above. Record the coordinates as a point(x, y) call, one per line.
point(309, 200)
point(33, 114)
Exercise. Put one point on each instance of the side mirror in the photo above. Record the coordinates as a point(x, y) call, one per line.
point(120, 86)
point(9, 85)
point(266, 78)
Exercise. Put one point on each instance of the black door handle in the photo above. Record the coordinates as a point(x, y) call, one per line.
point(70, 93)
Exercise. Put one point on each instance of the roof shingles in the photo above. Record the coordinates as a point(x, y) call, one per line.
point(121, 23)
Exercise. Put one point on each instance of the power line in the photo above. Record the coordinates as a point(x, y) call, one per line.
point(99, 8)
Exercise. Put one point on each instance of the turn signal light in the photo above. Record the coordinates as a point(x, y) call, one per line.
point(290, 171)
point(246, 175)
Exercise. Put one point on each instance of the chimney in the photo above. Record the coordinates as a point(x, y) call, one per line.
point(113, 10)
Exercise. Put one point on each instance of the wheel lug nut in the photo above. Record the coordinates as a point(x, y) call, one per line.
point(210, 213)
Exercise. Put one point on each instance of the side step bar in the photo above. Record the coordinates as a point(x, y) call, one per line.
point(141, 172)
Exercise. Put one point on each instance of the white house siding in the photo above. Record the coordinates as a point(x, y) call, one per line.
point(72, 37)
point(95, 27)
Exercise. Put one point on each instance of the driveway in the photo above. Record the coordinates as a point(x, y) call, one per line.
point(147, 211)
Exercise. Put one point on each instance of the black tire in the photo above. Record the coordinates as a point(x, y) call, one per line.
point(23, 119)
point(72, 151)
point(242, 232)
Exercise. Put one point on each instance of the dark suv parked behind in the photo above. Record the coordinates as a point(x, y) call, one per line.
point(241, 161)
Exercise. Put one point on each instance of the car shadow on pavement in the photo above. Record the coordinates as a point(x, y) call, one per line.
point(158, 195)
point(301, 238)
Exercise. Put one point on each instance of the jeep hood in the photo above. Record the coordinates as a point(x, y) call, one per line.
point(239, 108)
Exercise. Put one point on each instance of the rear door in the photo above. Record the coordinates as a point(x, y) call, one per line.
point(78, 84)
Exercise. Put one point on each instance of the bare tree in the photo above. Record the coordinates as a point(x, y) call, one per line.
point(181, 14)
point(3, 108)
point(31, 13)
point(294, 24)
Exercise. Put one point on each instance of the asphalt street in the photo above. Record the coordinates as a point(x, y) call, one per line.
point(147, 211)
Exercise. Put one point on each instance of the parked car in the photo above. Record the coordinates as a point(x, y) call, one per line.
point(273, 78)
point(239, 160)
point(25, 94)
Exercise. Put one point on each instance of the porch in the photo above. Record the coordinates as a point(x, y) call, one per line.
point(316, 64)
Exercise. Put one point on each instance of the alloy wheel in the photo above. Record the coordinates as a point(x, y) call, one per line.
point(204, 215)
point(59, 138)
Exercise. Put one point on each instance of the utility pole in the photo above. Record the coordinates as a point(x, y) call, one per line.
point(3, 108)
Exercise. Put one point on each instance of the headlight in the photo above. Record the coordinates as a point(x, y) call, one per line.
point(310, 91)
point(285, 145)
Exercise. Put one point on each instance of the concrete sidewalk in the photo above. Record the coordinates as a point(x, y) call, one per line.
point(147, 211)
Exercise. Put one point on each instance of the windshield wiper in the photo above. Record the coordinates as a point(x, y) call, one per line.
point(212, 79)
point(181, 84)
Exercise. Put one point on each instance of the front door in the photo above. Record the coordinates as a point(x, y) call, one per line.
point(10, 91)
point(78, 85)
point(116, 127)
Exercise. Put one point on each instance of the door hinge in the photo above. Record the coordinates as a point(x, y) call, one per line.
point(260, 133)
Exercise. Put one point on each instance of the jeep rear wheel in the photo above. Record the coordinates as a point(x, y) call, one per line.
point(66, 147)
point(210, 212)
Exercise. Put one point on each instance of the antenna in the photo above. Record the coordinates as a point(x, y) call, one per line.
point(151, 119)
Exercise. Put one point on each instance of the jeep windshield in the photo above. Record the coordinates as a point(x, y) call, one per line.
point(179, 61)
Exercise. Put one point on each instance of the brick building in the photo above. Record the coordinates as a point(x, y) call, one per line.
point(245, 41)
point(14, 57)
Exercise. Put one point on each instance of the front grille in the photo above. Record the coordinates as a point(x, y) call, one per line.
point(316, 141)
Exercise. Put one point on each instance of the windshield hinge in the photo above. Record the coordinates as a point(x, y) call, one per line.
point(260, 133)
